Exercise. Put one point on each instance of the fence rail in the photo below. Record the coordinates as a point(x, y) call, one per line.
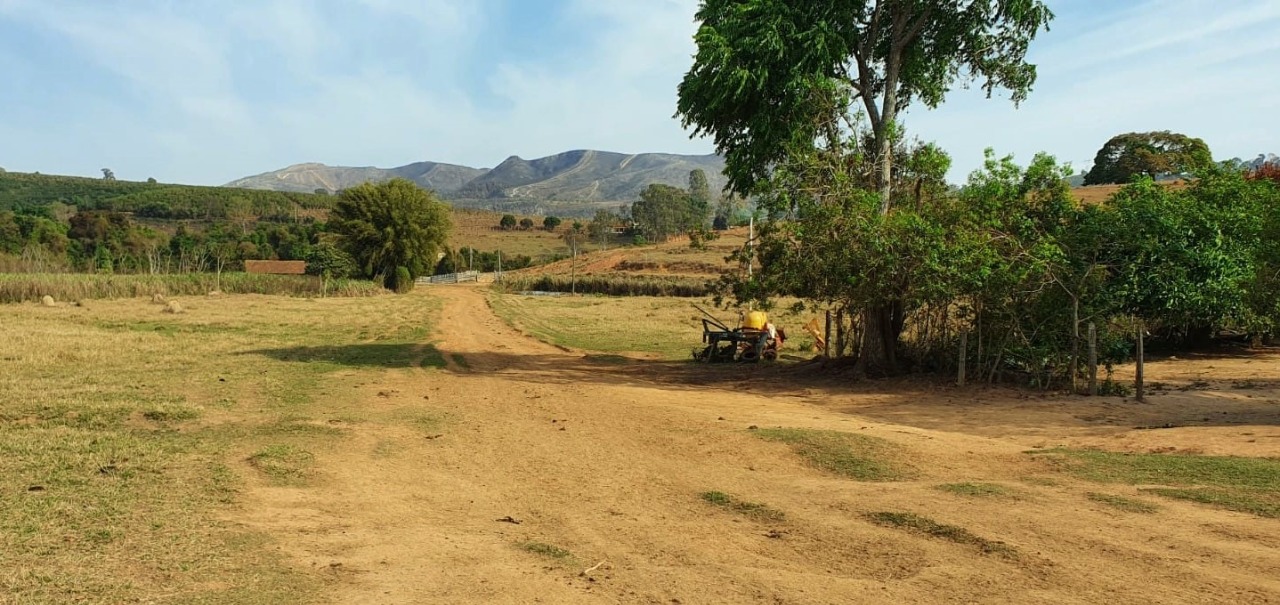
point(456, 278)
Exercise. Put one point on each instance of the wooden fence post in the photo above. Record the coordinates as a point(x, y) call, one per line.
point(964, 353)
point(840, 332)
point(826, 340)
point(1075, 347)
point(1138, 379)
point(1093, 359)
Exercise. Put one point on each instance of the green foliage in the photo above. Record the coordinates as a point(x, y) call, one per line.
point(664, 211)
point(487, 262)
point(526, 223)
point(150, 199)
point(550, 223)
point(615, 285)
point(508, 222)
point(1014, 260)
point(328, 260)
point(1132, 154)
point(391, 225)
point(1185, 260)
point(699, 196)
point(771, 76)
point(403, 281)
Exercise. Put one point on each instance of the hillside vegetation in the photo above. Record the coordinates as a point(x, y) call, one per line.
point(155, 200)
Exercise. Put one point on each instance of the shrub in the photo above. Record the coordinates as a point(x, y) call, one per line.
point(402, 282)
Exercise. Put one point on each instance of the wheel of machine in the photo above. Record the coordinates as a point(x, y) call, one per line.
point(749, 354)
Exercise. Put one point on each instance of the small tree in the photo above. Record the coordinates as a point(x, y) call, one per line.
point(550, 223)
point(508, 222)
point(151, 180)
point(391, 225)
point(108, 175)
point(699, 197)
point(526, 223)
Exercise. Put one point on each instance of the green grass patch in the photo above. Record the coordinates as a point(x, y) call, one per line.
point(976, 490)
point(952, 533)
point(1250, 485)
point(284, 464)
point(1128, 505)
point(752, 510)
point(548, 550)
point(1260, 503)
point(849, 455)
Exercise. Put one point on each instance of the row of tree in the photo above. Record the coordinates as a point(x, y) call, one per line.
point(803, 99)
point(391, 231)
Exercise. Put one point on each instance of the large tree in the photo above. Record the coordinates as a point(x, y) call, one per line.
point(774, 79)
point(771, 74)
point(391, 225)
point(1147, 153)
point(663, 211)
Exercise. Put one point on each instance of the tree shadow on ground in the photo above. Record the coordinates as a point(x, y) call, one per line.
point(932, 402)
point(372, 355)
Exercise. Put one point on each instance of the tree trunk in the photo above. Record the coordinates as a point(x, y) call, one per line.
point(878, 356)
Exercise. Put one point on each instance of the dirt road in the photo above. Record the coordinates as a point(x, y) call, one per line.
point(547, 462)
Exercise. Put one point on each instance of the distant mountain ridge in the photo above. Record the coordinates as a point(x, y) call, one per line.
point(572, 176)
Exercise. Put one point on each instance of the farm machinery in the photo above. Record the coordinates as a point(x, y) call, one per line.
point(753, 340)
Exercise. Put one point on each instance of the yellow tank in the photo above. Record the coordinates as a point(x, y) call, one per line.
point(755, 320)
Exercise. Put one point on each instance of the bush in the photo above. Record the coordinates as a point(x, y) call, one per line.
point(400, 282)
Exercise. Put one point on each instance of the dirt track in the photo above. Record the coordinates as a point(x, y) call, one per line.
point(608, 461)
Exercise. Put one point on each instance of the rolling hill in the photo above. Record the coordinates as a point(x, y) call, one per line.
point(583, 177)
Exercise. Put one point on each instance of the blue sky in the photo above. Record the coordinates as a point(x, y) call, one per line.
point(206, 91)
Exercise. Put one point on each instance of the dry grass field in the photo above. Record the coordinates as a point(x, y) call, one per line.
point(475, 229)
point(417, 449)
point(129, 437)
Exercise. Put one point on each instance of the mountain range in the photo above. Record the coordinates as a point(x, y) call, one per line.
point(583, 177)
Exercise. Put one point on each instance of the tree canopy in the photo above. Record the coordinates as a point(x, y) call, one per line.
point(1147, 153)
point(770, 75)
point(391, 225)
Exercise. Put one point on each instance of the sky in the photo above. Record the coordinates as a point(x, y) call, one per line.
point(208, 91)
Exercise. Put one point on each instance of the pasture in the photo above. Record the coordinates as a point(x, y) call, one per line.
point(420, 449)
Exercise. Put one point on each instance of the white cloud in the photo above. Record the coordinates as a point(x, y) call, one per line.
point(1186, 65)
point(219, 94)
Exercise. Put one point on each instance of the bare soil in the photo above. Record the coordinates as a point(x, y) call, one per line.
point(548, 463)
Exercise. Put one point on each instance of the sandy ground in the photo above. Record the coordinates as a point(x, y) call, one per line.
point(608, 461)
